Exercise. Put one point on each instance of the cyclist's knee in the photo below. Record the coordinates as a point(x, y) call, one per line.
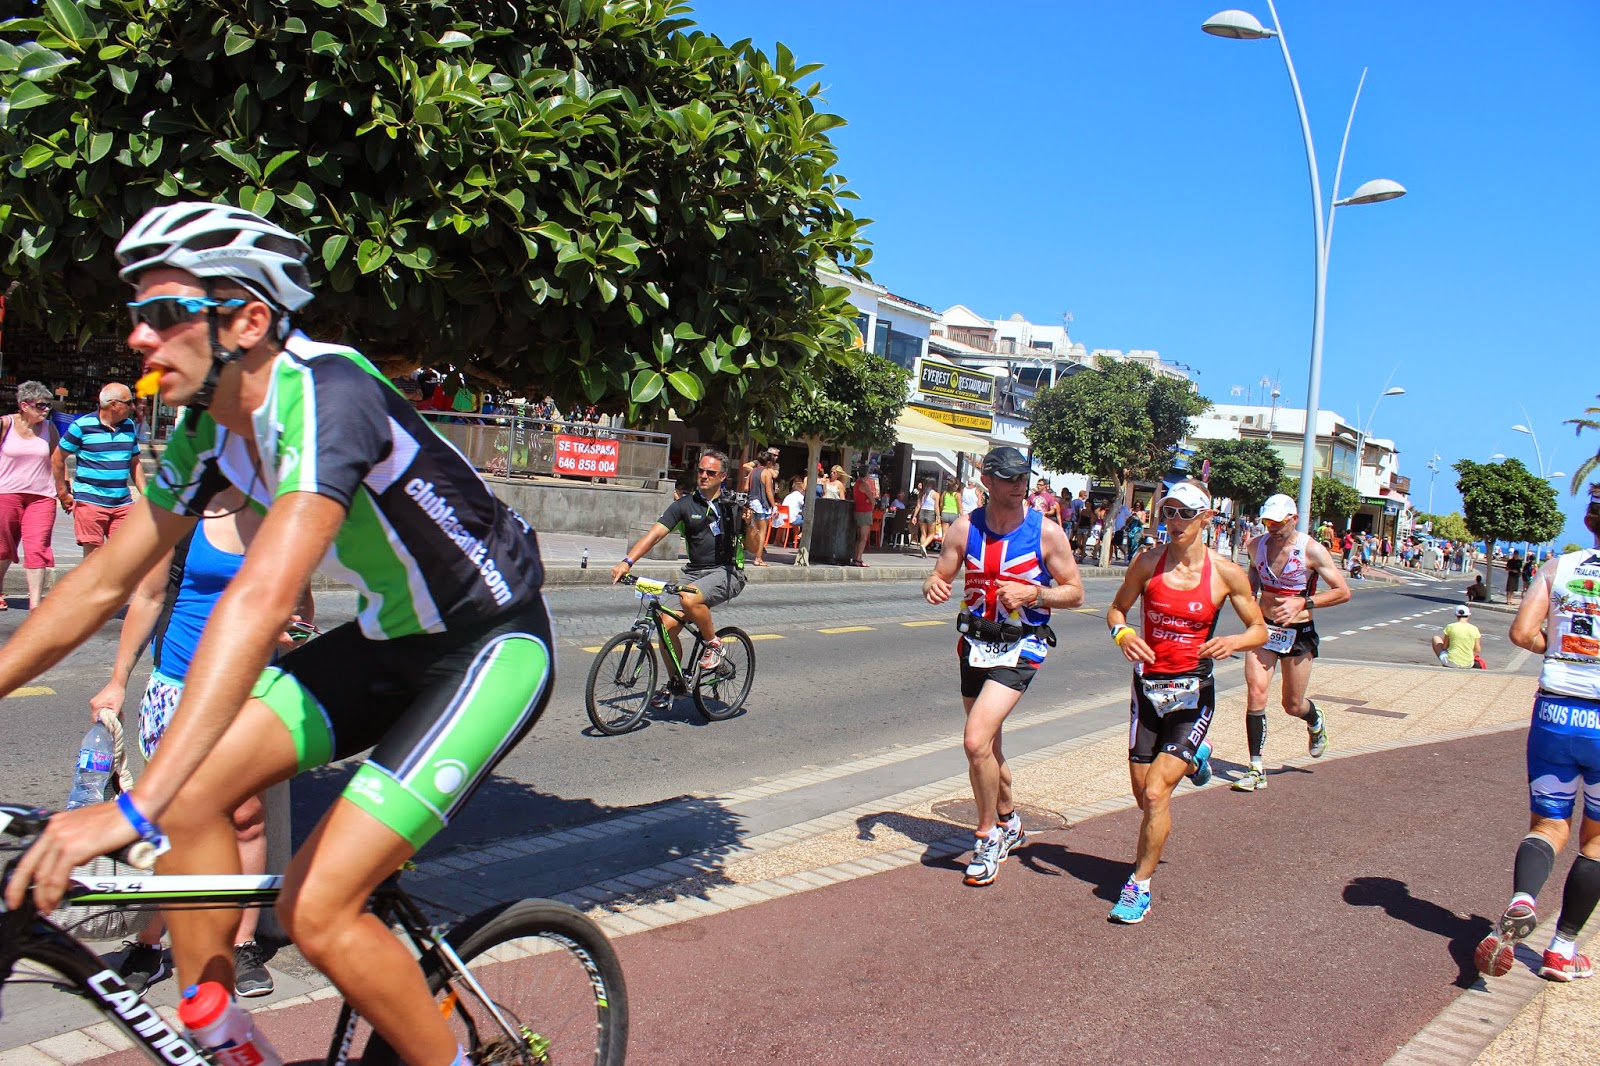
point(250, 819)
point(312, 919)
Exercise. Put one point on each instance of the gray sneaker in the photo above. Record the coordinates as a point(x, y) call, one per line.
point(1252, 780)
point(1317, 738)
point(250, 976)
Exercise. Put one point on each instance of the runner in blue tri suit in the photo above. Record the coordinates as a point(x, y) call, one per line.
point(1559, 618)
point(1010, 555)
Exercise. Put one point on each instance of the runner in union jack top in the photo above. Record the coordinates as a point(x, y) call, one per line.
point(1010, 555)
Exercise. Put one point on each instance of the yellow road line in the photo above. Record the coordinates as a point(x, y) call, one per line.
point(36, 690)
point(594, 650)
point(847, 629)
point(925, 622)
point(766, 636)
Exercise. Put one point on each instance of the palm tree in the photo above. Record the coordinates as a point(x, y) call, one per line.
point(1592, 421)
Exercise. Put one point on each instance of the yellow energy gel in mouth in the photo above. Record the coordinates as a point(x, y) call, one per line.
point(148, 385)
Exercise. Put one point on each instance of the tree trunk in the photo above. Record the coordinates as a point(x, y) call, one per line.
point(802, 555)
point(1488, 570)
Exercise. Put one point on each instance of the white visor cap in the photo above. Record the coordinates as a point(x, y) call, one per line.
point(1279, 507)
point(1188, 495)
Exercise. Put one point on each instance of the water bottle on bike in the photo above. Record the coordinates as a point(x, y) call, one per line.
point(93, 768)
point(223, 1028)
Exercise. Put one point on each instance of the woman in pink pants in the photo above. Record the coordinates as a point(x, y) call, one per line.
point(27, 488)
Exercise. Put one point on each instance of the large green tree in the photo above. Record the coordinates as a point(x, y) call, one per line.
point(584, 196)
point(1245, 471)
point(1452, 526)
point(855, 406)
point(1504, 501)
point(1118, 423)
point(1331, 499)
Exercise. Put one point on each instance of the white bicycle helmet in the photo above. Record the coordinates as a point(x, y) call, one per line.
point(219, 241)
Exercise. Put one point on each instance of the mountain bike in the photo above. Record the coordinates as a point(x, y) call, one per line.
point(623, 676)
point(532, 982)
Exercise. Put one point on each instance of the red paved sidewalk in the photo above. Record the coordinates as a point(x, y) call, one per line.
point(1325, 920)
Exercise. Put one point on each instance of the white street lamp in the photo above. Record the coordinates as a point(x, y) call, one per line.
point(1366, 428)
point(1243, 26)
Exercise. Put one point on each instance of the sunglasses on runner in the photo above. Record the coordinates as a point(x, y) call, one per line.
point(703, 472)
point(161, 313)
point(1281, 523)
point(1170, 510)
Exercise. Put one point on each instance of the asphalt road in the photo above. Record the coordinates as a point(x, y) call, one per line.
point(844, 671)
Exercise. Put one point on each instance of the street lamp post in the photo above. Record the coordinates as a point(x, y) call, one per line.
point(1538, 456)
point(1241, 25)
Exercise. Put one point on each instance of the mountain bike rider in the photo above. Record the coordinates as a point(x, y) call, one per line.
point(447, 665)
point(712, 527)
point(1285, 566)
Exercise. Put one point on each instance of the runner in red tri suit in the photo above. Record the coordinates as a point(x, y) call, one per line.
point(1174, 695)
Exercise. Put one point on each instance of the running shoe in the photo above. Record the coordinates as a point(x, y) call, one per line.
point(712, 658)
point(1201, 774)
point(143, 965)
point(661, 699)
point(1497, 952)
point(987, 855)
point(1560, 968)
point(250, 976)
point(1014, 835)
point(1252, 780)
point(1317, 738)
point(1132, 906)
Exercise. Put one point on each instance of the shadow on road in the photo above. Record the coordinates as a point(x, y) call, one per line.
point(1053, 859)
point(1397, 901)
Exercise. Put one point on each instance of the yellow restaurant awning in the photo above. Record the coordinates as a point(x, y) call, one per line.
point(920, 431)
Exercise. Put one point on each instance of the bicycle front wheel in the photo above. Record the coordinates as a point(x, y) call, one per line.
point(719, 694)
point(549, 972)
point(621, 680)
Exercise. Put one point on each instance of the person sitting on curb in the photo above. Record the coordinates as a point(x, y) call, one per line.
point(1477, 592)
point(1461, 644)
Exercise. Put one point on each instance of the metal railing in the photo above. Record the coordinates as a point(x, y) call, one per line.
point(504, 445)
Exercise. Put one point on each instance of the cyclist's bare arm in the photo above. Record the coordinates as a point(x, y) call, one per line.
point(651, 538)
point(88, 596)
point(138, 625)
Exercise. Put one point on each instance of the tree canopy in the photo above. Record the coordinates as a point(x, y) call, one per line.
point(587, 196)
point(1591, 420)
point(1245, 471)
point(1504, 501)
point(1118, 422)
point(1452, 526)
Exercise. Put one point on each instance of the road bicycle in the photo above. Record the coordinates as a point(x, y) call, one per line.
point(531, 982)
point(623, 676)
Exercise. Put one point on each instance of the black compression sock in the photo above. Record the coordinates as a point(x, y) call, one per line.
point(1313, 718)
point(1535, 858)
point(1580, 897)
point(1255, 731)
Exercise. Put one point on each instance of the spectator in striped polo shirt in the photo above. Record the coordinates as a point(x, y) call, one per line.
point(106, 443)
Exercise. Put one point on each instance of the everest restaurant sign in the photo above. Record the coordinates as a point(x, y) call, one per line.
point(939, 379)
point(587, 456)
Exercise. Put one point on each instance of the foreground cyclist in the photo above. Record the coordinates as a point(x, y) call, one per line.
point(710, 525)
point(1010, 555)
point(1183, 586)
point(1557, 620)
point(446, 667)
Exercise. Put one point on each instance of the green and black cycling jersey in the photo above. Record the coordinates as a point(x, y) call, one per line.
point(425, 543)
point(711, 530)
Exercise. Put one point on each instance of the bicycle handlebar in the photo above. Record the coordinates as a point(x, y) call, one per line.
point(654, 587)
point(21, 821)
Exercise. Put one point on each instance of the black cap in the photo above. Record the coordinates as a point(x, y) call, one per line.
point(1006, 462)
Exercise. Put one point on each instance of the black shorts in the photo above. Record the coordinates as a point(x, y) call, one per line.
point(1177, 733)
point(442, 708)
point(1306, 641)
point(1018, 677)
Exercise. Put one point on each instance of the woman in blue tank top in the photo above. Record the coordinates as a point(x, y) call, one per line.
point(169, 610)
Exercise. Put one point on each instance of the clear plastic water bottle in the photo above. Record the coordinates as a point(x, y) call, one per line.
point(224, 1028)
point(93, 769)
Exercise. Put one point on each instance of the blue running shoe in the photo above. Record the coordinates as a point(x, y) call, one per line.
point(1132, 906)
point(1201, 774)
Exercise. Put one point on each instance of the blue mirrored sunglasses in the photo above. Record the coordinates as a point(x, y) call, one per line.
point(164, 312)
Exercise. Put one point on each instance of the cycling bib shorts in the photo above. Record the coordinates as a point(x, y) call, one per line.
point(442, 708)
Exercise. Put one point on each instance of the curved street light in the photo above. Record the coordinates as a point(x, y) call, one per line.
point(1243, 26)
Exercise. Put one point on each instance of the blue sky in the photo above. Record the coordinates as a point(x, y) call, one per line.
point(1110, 160)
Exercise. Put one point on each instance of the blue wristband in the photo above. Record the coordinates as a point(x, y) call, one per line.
point(146, 829)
